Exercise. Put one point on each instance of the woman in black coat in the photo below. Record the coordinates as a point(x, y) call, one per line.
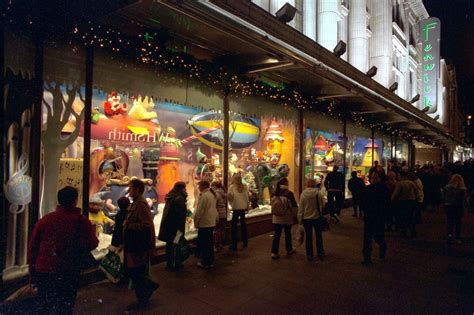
point(174, 219)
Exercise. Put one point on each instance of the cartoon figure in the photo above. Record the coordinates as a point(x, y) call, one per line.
point(142, 109)
point(204, 169)
point(113, 107)
point(232, 164)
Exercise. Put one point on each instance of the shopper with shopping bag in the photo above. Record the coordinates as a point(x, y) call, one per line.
point(309, 214)
point(173, 224)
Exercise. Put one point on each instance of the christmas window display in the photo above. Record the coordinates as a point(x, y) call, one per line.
point(323, 150)
point(401, 151)
point(159, 142)
point(263, 148)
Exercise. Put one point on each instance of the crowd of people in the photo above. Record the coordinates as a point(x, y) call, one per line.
point(393, 201)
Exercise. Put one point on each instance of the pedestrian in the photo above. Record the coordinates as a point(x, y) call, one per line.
point(239, 202)
point(356, 186)
point(205, 219)
point(404, 197)
point(285, 221)
point(375, 201)
point(454, 197)
point(117, 236)
point(221, 206)
point(57, 243)
point(139, 245)
point(391, 182)
point(309, 211)
point(419, 199)
point(173, 221)
point(334, 184)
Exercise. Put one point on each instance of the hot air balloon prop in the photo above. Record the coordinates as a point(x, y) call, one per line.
point(367, 161)
point(207, 127)
point(274, 139)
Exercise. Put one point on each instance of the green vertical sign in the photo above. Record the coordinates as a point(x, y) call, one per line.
point(430, 32)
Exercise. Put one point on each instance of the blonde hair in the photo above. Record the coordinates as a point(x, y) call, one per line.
point(237, 182)
point(457, 181)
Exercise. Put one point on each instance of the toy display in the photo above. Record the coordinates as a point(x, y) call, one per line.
point(322, 152)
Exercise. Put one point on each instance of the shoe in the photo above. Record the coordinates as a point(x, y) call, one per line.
point(275, 256)
point(335, 217)
point(450, 239)
point(200, 265)
point(367, 263)
point(291, 252)
point(310, 258)
point(321, 257)
point(135, 306)
point(153, 286)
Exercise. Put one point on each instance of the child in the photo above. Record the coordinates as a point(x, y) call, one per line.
point(97, 215)
point(221, 205)
point(117, 237)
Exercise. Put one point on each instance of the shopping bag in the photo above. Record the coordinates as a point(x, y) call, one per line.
point(179, 252)
point(298, 236)
point(112, 266)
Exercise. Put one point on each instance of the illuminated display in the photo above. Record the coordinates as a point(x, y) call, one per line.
point(430, 30)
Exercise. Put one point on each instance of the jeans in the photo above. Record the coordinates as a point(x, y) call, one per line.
point(406, 218)
point(276, 238)
point(356, 205)
point(236, 214)
point(142, 284)
point(335, 202)
point(454, 217)
point(374, 230)
point(219, 233)
point(308, 229)
point(56, 292)
point(205, 243)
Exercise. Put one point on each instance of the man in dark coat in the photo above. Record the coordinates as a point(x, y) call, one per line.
point(139, 245)
point(374, 202)
point(334, 184)
point(356, 186)
point(174, 220)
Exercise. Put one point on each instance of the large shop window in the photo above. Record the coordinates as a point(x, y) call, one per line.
point(156, 127)
point(264, 147)
point(359, 151)
point(324, 145)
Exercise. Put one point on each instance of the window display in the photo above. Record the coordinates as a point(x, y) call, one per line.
point(263, 148)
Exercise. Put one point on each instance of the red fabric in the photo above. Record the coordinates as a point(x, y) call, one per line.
point(109, 111)
point(53, 235)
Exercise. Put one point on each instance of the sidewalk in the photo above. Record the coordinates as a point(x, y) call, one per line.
point(418, 276)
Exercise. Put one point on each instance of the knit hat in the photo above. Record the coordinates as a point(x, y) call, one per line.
point(199, 155)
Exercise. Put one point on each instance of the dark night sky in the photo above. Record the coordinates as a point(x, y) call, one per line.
point(457, 42)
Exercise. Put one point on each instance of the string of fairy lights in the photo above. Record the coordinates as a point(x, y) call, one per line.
point(147, 49)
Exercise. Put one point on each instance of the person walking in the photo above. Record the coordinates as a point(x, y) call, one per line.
point(334, 184)
point(205, 219)
point(375, 200)
point(390, 183)
point(309, 211)
point(221, 206)
point(56, 245)
point(139, 245)
point(239, 201)
point(453, 198)
point(419, 198)
point(404, 197)
point(173, 220)
point(285, 221)
point(356, 186)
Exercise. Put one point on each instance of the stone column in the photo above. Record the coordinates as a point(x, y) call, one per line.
point(265, 4)
point(358, 46)
point(328, 16)
point(309, 19)
point(381, 48)
point(343, 32)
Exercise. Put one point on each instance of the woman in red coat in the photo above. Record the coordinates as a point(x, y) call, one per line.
point(56, 245)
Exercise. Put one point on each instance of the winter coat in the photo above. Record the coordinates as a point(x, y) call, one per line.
point(453, 196)
point(419, 187)
point(374, 202)
point(53, 238)
point(308, 208)
point(405, 190)
point(356, 186)
point(221, 203)
point(334, 181)
point(174, 216)
point(238, 200)
point(138, 234)
point(287, 219)
point(206, 212)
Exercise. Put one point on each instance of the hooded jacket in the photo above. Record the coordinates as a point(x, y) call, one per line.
point(308, 208)
point(174, 216)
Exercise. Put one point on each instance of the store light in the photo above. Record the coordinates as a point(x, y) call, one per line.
point(372, 72)
point(393, 87)
point(415, 98)
point(340, 49)
point(286, 13)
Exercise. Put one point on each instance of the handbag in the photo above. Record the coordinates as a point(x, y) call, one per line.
point(322, 221)
point(112, 266)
